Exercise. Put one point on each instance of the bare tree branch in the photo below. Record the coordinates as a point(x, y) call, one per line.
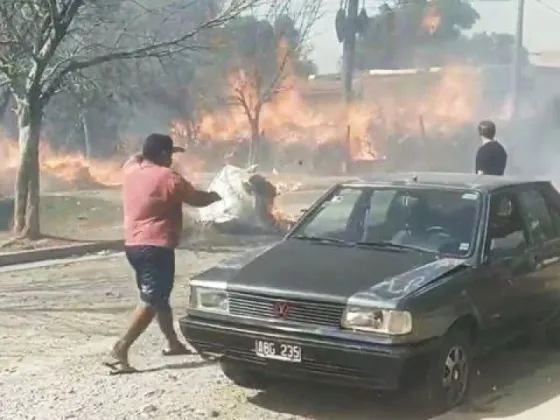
point(59, 24)
point(185, 42)
point(43, 41)
point(264, 87)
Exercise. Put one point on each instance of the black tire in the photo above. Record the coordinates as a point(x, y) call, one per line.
point(243, 377)
point(449, 375)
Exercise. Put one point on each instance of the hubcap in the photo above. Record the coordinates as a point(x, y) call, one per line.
point(455, 375)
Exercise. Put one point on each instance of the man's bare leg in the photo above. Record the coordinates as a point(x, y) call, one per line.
point(141, 319)
point(164, 318)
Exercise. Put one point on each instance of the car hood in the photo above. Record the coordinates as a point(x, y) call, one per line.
point(326, 271)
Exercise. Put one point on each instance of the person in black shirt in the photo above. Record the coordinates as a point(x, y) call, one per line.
point(491, 157)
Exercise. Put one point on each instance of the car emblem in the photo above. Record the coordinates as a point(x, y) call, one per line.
point(281, 309)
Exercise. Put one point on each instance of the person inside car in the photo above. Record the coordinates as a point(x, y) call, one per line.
point(414, 230)
point(426, 227)
point(505, 225)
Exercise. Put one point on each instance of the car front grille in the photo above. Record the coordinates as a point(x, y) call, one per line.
point(300, 311)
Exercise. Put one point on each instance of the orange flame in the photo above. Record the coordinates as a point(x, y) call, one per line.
point(431, 20)
point(73, 170)
point(292, 119)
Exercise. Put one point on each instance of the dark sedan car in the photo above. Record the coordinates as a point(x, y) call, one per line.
point(388, 283)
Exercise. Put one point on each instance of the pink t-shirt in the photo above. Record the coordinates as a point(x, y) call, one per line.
point(153, 199)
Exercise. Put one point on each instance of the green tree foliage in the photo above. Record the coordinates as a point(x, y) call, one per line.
point(413, 32)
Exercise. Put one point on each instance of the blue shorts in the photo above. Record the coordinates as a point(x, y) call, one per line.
point(155, 273)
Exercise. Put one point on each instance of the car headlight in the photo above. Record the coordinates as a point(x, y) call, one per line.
point(208, 299)
point(381, 321)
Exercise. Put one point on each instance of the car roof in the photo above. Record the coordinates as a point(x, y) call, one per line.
point(442, 179)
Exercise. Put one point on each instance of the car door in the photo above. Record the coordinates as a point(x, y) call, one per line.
point(543, 235)
point(511, 259)
point(542, 211)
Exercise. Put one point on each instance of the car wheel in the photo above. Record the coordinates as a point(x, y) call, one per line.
point(449, 375)
point(243, 377)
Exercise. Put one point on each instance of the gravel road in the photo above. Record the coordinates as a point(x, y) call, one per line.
point(58, 321)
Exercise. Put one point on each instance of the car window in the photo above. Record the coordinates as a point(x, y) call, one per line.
point(555, 215)
point(380, 201)
point(539, 219)
point(437, 220)
point(506, 230)
point(553, 203)
point(334, 213)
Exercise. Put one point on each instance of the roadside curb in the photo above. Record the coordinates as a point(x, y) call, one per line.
point(61, 252)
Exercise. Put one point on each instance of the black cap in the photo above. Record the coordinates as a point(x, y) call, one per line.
point(157, 144)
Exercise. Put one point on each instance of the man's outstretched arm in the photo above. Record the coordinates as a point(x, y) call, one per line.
point(188, 194)
point(199, 198)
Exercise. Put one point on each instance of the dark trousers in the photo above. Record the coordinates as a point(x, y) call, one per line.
point(155, 273)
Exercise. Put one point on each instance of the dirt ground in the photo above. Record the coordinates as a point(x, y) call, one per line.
point(58, 321)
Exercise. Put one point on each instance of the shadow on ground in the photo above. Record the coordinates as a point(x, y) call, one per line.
point(506, 384)
point(178, 366)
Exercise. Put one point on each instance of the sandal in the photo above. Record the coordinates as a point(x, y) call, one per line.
point(177, 351)
point(118, 365)
point(118, 368)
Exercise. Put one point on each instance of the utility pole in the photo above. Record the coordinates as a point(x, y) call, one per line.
point(349, 49)
point(517, 58)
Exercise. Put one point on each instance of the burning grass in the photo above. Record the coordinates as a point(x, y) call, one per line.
point(300, 134)
point(296, 126)
point(59, 171)
point(403, 118)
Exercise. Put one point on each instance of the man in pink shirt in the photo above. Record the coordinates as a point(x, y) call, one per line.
point(153, 198)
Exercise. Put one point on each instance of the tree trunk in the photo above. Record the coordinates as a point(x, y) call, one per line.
point(87, 140)
point(255, 141)
point(4, 102)
point(26, 212)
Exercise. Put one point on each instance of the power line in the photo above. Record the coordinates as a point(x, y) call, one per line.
point(549, 7)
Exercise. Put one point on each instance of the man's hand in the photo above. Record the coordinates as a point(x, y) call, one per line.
point(214, 196)
point(199, 198)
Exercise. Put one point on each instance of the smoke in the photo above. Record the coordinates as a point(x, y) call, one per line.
point(532, 138)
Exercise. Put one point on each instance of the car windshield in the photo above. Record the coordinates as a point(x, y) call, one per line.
point(442, 221)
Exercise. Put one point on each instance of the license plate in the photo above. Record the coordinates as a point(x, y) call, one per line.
point(278, 351)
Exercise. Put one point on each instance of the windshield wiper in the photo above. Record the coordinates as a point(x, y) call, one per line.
point(326, 240)
point(392, 245)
